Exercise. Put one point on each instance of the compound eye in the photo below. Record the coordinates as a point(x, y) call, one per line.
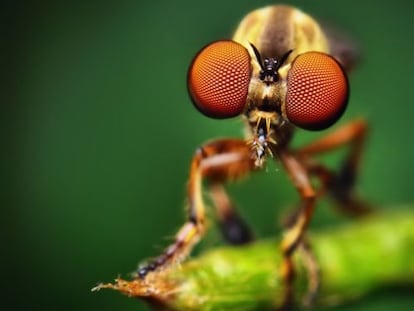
point(218, 79)
point(317, 91)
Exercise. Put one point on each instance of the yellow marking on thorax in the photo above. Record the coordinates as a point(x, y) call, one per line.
point(293, 29)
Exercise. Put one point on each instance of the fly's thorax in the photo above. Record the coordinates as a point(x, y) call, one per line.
point(274, 30)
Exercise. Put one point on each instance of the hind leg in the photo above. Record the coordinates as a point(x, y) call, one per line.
point(339, 185)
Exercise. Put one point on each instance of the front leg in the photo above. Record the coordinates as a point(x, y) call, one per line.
point(217, 161)
point(294, 234)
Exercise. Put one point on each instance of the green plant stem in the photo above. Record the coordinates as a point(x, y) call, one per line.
point(354, 260)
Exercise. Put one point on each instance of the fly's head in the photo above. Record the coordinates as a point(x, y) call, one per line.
point(307, 90)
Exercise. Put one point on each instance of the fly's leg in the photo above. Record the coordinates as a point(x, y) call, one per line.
point(233, 228)
point(339, 185)
point(308, 259)
point(294, 234)
point(192, 230)
point(216, 162)
point(227, 160)
point(312, 268)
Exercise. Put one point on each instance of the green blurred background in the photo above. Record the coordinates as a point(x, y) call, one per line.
point(98, 132)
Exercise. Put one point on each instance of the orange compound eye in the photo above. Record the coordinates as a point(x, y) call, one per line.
point(218, 79)
point(317, 91)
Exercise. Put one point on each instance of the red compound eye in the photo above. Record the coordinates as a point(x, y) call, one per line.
point(317, 91)
point(218, 79)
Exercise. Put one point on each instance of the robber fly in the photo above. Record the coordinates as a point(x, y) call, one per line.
point(280, 72)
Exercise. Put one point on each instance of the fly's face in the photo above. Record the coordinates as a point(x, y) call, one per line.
point(276, 72)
